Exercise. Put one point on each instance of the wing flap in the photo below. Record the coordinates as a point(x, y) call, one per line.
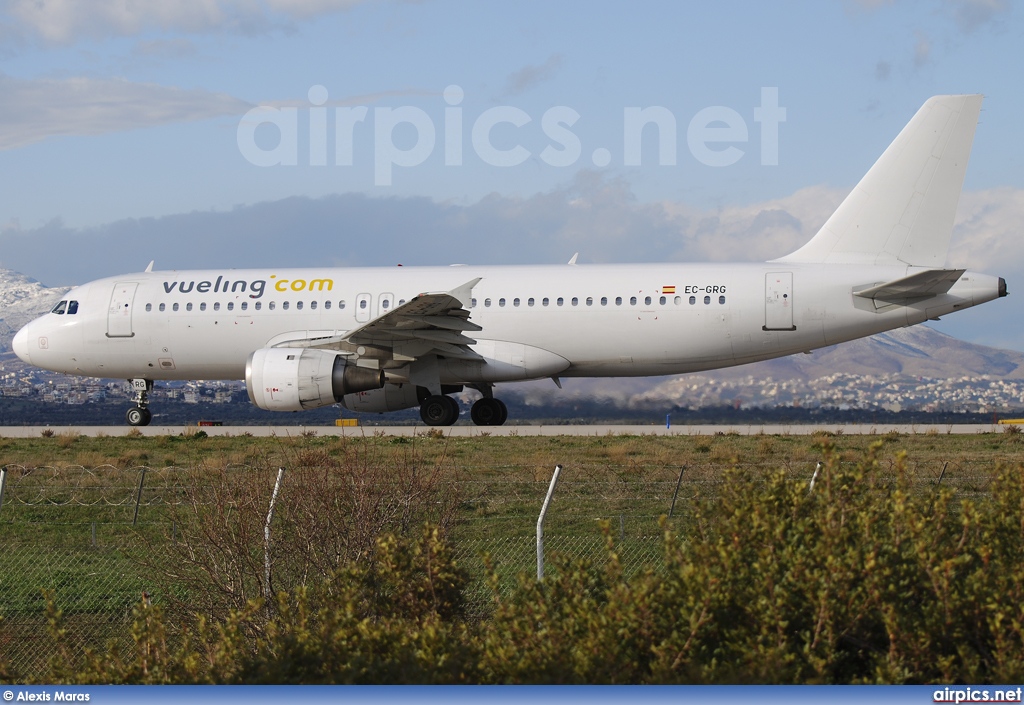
point(430, 323)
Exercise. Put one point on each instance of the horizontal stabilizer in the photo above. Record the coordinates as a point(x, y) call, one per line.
point(916, 287)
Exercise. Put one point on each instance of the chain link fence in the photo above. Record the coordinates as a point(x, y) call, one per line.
point(98, 538)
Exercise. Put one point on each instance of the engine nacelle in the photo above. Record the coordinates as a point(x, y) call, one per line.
point(293, 379)
point(393, 397)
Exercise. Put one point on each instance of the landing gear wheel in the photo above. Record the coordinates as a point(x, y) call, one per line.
point(488, 412)
point(439, 410)
point(138, 416)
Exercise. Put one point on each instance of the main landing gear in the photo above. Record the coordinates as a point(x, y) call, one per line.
point(140, 415)
point(442, 410)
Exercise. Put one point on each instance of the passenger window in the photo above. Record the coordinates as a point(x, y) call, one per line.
point(174, 307)
point(604, 300)
point(231, 305)
point(401, 302)
point(647, 301)
point(501, 301)
point(341, 304)
point(298, 306)
point(362, 303)
point(662, 300)
point(560, 301)
point(327, 305)
point(244, 306)
point(515, 301)
point(188, 306)
point(529, 302)
point(590, 301)
point(545, 301)
point(284, 306)
point(216, 305)
point(312, 305)
point(259, 305)
point(72, 308)
point(693, 300)
point(162, 307)
point(59, 308)
point(202, 306)
point(149, 307)
point(472, 303)
point(678, 300)
point(385, 304)
point(271, 306)
point(575, 301)
point(632, 301)
point(618, 300)
point(707, 300)
point(721, 299)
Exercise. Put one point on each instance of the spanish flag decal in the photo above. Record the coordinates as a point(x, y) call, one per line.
point(668, 289)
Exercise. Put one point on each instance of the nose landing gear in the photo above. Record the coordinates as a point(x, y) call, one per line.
point(140, 415)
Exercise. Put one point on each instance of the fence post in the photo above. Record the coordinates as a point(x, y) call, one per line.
point(814, 477)
point(540, 522)
point(266, 536)
point(138, 497)
point(3, 484)
point(679, 480)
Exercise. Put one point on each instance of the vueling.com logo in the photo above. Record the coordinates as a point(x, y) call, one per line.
point(255, 288)
point(714, 135)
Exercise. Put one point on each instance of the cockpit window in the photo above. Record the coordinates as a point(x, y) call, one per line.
point(59, 308)
point(72, 308)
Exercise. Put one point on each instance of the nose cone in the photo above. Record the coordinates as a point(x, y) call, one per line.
point(20, 345)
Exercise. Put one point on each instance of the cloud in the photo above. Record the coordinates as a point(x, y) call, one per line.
point(67, 21)
point(922, 49)
point(972, 14)
point(530, 76)
point(594, 215)
point(987, 232)
point(178, 48)
point(37, 109)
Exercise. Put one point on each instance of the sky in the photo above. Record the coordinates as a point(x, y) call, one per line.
point(237, 133)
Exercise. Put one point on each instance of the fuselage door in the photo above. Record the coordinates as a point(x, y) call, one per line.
point(363, 302)
point(778, 301)
point(119, 315)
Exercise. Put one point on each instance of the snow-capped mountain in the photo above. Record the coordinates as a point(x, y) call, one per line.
point(21, 300)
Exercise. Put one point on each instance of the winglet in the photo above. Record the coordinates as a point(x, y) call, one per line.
point(573, 260)
point(464, 293)
point(149, 267)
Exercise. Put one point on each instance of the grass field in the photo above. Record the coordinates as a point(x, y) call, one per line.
point(70, 502)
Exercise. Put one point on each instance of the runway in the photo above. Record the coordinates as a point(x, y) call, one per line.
point(507, 431)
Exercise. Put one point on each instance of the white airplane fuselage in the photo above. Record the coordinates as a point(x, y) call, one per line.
point(538, 321)
point(383, 339)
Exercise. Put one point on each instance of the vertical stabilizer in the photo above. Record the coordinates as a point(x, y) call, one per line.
point(902, 211)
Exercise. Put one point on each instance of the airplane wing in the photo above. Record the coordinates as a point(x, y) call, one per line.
point(916, 287)
point(430, 323)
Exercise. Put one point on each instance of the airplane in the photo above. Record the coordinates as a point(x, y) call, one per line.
point(383, 339)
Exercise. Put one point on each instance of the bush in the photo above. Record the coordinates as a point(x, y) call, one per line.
point(859, 581)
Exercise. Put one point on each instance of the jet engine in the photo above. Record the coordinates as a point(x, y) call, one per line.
point(292, 379)
point(393, 397)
